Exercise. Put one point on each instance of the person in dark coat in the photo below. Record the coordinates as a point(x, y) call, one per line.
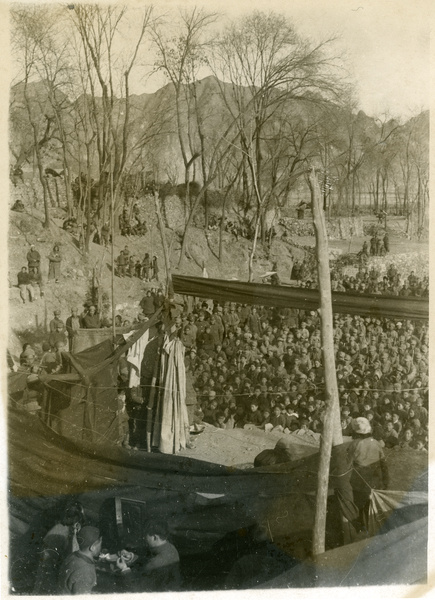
point(56, 321)
point(386, 243)
point(91, 320)
point(122, 263)
point(146, 265)
point(33, 259)
point(155, 269)
point(370, 470)
point(77, 573)
point(59, 542)
point(72, 327)
point(105, 234)
point(158, 300)
point(155, 570)
point(55, 260)
point(147, 304)
point(26, 289)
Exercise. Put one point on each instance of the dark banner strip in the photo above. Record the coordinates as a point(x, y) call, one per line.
point(367, 305)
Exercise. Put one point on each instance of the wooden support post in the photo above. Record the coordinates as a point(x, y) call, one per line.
point(331, 426)
point(169, 289)
point(112, 253)
point(152, 400)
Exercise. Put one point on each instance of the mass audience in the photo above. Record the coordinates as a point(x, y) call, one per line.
point(262, 367)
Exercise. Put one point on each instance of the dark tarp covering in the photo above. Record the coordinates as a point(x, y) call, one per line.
point(81, 403)
point(202, 502)
point(368, 305)
point(43, 464)
point(397, 557)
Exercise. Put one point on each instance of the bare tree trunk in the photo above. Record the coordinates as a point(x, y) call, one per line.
point(331, 426)
point(88, 200)
point(57, 193)
point(46, 207)
point(37, 155)
point(50, 193)
point(189, 221)
point(164, 244)
point(222, 223)
point(254, 247)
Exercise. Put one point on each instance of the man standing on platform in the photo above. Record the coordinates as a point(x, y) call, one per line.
point(72, 327)
point(91, 320)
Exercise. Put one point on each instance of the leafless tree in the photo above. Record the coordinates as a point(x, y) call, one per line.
point(180, 57)
point(32, 27)
point(269, 66)
point(108, 79)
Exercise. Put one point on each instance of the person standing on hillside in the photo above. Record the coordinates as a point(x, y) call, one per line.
point(36, 282)
point(121, 261)
point(54, 259)
point(33, 260)
point(146, 265)
point(105, 234)
point(155, 269)
point(25, 285)
point(158, 300)
point(56, 321)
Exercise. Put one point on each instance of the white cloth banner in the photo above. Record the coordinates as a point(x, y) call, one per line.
point(135, 357)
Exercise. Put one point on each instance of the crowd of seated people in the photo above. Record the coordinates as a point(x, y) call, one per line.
point(263, 367)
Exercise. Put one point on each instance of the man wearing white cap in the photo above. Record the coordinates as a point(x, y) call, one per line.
point(367, 458)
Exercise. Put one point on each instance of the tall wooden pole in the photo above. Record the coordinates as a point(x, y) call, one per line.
point(112, 230)
point(169, 290)
point(331, 434)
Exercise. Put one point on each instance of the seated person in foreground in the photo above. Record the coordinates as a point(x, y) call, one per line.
point(159, 570)
point(77, 573)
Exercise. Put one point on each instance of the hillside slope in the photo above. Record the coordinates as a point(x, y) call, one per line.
point(77, 270)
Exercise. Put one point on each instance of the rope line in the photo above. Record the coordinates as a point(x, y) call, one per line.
point(318, 388)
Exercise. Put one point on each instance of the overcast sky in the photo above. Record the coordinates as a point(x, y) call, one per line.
point(386, 41)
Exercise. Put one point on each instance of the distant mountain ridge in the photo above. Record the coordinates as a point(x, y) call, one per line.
point(153, 116)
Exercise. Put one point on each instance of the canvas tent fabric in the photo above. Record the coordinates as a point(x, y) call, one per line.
point(171, 423)
point(384, 503)
point(82, 402)
point(396, 557)
point(135, 356)
point(368, 305)
point(43, 463)
point(203, 502)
